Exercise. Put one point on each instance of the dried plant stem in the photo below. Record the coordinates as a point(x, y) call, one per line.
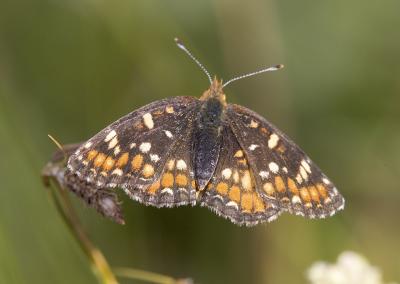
point(99, 263)
point(145, 275)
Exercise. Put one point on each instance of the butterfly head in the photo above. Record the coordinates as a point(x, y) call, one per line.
point(215, 91)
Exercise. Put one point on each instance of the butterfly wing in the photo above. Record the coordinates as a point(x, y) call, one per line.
point(104, 200)
point(146, 153)
point(282, 172)
point(231, 192)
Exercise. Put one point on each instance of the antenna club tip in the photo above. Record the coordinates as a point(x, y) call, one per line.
point(279, 66)
point(178, 42)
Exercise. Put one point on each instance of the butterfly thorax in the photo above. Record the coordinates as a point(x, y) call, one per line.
point(207, 136)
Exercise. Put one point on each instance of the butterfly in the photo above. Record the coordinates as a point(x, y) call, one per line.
point(203, 151)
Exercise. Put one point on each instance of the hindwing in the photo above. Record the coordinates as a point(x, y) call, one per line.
point(282, 172)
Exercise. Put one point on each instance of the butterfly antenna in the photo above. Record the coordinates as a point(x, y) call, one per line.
point(181, 46)
point(273, 68)
point(59, 146)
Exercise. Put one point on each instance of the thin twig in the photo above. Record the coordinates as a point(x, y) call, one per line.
point(98, 261)
point(143, 275)
point(53, 174)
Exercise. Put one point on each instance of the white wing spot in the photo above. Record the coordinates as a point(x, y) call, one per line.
point(272, 218)
point(299, 178)
point(154, 157)
point(285, 169)
point(117, 150)
point(133, 145)
point(145, 147)
point(273, 141)
point(148, 120)
point(117, 172)
point(253, 147)
point(88, 144)
point(168, 133)
point(232, 204)
point(113, 143)
point(227, 173)
point(303, 173)
point(219, 197)
point(306, 166)
point(264, 174)
point(110, 136)
point(296, 199)
point(181, 165)
point(167, 190)
point(273, 167)
point(326, 181)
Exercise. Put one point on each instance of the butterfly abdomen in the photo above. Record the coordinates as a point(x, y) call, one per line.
point(207, 141)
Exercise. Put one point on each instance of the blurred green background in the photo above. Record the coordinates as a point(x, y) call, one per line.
point(70, 68)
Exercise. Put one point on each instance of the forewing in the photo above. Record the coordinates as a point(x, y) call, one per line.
point(282, 171)
point(231, 192)
point(135, 153)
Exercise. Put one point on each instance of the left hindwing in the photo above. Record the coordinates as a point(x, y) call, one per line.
point(281, 170)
